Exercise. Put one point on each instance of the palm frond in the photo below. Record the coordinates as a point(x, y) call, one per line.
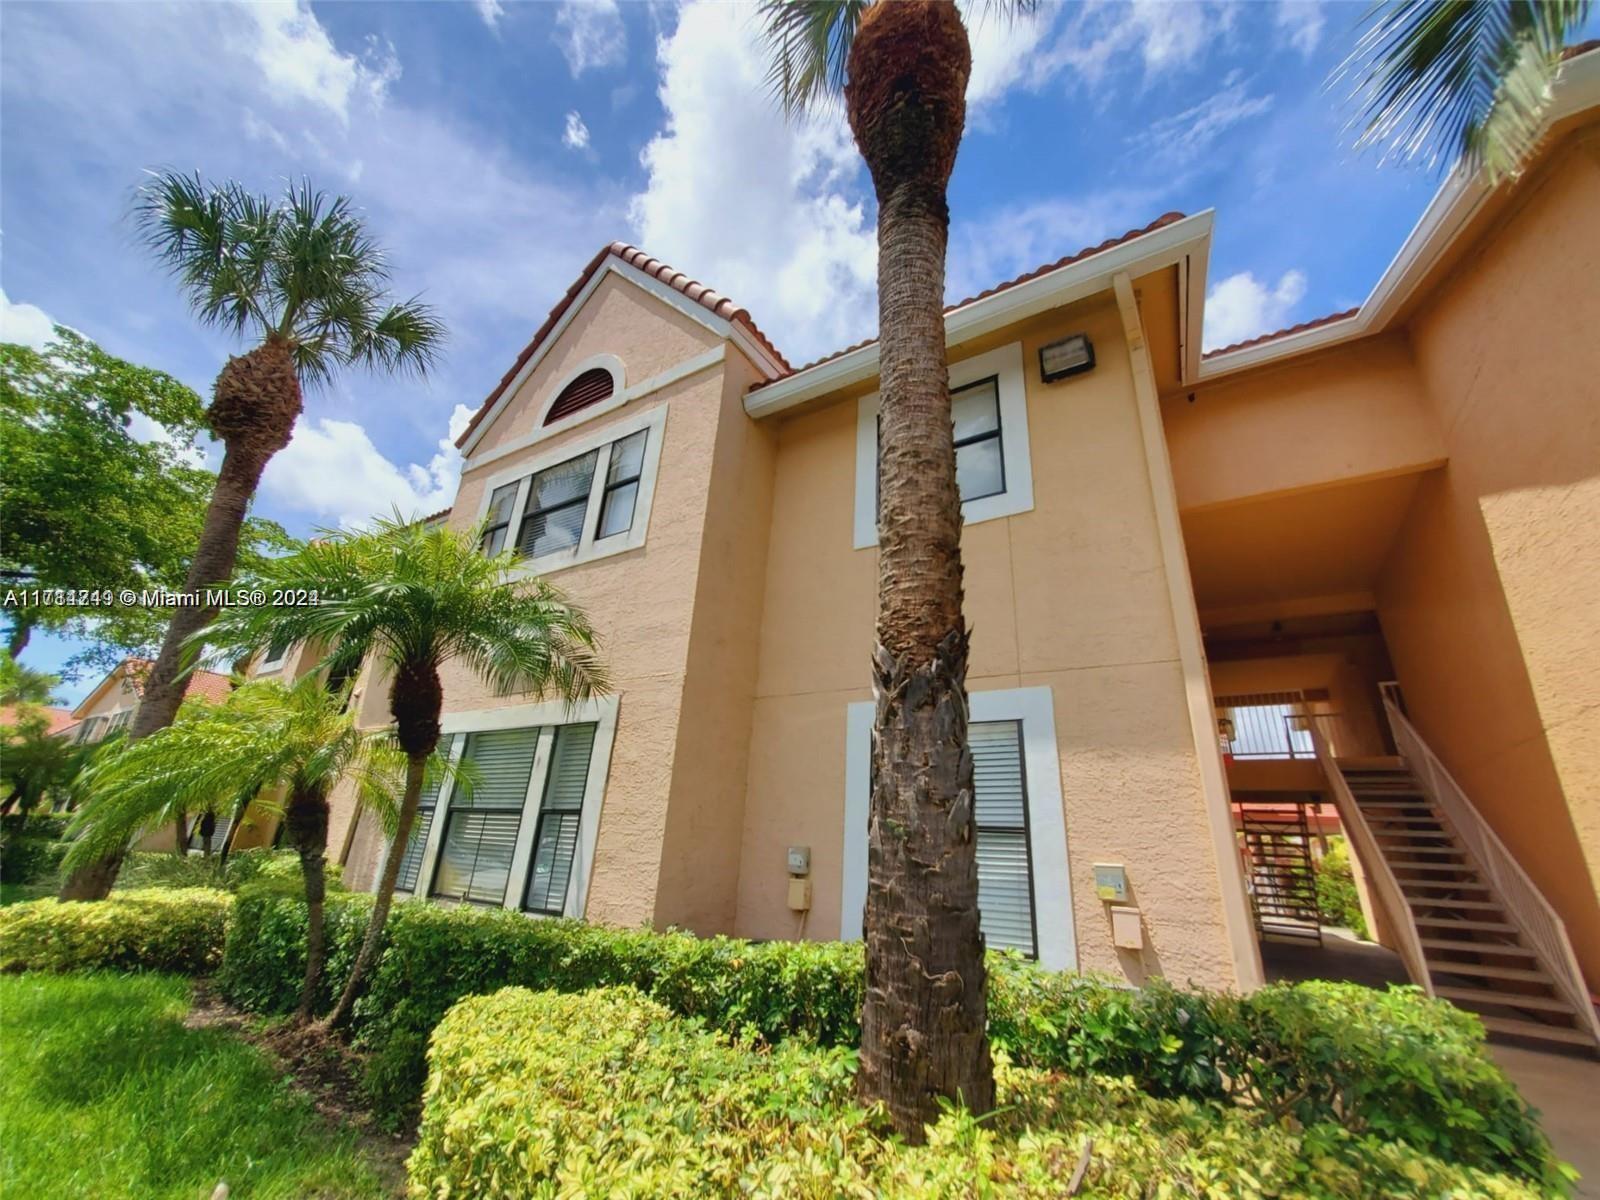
point(810, 43)
point(1438, 80)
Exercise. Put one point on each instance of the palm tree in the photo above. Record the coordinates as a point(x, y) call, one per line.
point(22, 685)
point(903, 70)
point(301, 278)
point(406, 599)
point(1442, 80)
point(264, 738)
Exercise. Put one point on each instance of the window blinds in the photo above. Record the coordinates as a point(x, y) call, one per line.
point(481, 829)
point(411, 863)
point(1005, 872)
point(560, 813)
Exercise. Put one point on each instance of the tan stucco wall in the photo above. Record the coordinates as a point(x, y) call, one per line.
point(1490, 600)
point(1352, 412)
point(1072, 595)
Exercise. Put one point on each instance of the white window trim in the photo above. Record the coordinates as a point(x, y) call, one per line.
point(546, 715)
point(272, 666)
point(1006, 365)
point(1047, 829)
point(588, 548)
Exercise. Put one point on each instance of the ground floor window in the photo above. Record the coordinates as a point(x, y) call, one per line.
point(1024, 887)
point(523, 834)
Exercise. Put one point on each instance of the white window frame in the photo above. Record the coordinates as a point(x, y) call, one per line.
point(1005, 365)
point(588, 548)
point(1034, 708)
point(546, 716)
point(118, 720)
point(271, 666)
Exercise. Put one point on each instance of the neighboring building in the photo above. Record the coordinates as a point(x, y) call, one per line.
point(109, 709)
point(1155, 539)
point(56, 720)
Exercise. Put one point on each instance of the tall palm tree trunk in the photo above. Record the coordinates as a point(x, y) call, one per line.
point(253, 410)
point(306, 820)
point(416, 698)
point(924, 1016)
point(21, 631)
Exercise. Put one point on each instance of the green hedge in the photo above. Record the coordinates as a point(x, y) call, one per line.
point(610, 1093)
point(153, 930)
point(1337, 896)
point(1392, 1064)
point(30, 847)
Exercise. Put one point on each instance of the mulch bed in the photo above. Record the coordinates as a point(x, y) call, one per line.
point(318, 1064)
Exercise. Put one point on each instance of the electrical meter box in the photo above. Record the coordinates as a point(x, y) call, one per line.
point(799, 860)
point(1110, 881)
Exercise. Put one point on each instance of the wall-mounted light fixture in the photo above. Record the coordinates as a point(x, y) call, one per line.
point(1070, 356)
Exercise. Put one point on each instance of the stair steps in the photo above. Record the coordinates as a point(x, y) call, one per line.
point(1470, 943)
point(1536, 1029)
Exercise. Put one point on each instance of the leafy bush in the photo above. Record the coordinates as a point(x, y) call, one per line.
point(30, 847)
point(162, 868)
point(154, 930)
point(609, 1093)
point(1336, 889)
point(1393, 1064)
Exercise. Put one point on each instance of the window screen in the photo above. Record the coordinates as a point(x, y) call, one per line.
point(411, 863)
point(560, 814)
point(480, 831)
point(498, 518)
point(980, 468)
point(1005, 868)
point(622, 485)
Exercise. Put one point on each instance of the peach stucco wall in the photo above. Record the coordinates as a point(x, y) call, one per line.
point(1353, 412)
point(642, 601)
point(1490, 600)
point(1072, 595)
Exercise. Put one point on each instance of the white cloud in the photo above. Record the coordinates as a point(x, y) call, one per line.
point(1005, 51)
point(1102, 38)
point(299, 59)
point(333, 472)
point(1181, 138)
point(491, 11)
point(24, 324)
point(1301, 22)
point(770, 213)
point(1242, 307)
point(591, 34)
point(576, 134)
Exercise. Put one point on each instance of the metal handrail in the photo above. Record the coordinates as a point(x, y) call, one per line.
point(1531, 912)
point(1380, 876)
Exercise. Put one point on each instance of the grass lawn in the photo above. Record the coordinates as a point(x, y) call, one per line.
point(104, 1092)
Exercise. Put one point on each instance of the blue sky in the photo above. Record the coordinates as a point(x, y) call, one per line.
point(496, 145)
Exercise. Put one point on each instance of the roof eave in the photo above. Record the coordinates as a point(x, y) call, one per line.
point(1185, 243)
point(1459, 199)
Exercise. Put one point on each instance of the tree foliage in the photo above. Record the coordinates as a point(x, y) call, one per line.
point(103, 490)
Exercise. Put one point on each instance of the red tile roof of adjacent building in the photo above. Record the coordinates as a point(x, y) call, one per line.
point(1283, 333)
point(56, 719)
point(207, 684)
point(1088, 252)
point(702, 295)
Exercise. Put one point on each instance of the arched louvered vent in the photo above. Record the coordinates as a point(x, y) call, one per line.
point(591, 387)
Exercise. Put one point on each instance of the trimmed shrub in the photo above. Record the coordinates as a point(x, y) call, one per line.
point(609, 1093)
point(154, 930)
point(162, 868)
point(1391, 1064)
point(31, 848)
point(264, 962)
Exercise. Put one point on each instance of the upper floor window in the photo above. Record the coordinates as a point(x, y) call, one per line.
point(989, 417)
point(591, 387)
point(591, 501)
point(119, 720)
point(274, 656)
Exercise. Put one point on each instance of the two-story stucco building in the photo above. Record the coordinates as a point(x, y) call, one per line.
point(1154, 539)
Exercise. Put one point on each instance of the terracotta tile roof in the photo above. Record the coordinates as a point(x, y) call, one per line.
point(443, 512)
point(1282, 333)
point(1088, 252)
point(707, 298)
point(56, 719)
point(207, 684)
point(1580, 48)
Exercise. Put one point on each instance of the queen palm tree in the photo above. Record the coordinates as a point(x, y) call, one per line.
point(1446, 80)
point(406, 599)
point(265, 738)
point(903, 70)
point(302, 279)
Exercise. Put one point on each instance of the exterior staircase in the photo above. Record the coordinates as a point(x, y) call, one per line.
point(1283, 881)
point(1475, 952)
